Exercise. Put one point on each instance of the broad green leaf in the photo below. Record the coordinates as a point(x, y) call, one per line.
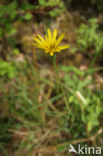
point(8, 9)
point(28, 6)
point(43, 2)
point(28, 16)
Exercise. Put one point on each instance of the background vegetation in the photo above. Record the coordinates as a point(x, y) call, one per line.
point(34, 119)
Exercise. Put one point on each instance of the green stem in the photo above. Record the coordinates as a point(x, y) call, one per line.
point(59, 80)
point(94, 59)
point(93, 62)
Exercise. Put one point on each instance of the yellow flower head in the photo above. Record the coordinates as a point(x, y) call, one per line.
point(51, 43)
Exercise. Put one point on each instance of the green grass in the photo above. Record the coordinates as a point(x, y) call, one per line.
point(35, 118)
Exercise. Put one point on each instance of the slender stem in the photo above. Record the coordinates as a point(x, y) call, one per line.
point(93, 62)
point(94, 59)
point(59, 80)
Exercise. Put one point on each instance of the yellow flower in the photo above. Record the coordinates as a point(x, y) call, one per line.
point(51, 43)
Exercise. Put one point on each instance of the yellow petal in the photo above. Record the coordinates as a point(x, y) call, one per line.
point(54, 34)
point(63, 47)
point(37, 45)
point(38, 41)
point(60, 38)
point(46, 38)
point(41, 38)
point(51, 53)
point(49, 35)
